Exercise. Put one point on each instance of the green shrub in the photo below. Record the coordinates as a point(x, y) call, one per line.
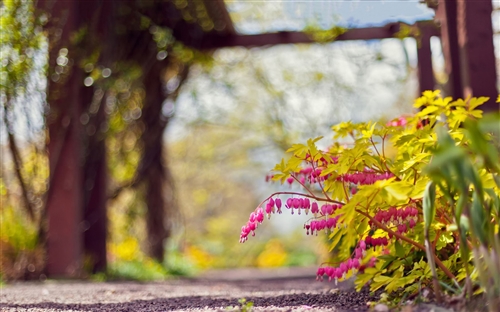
point(373, 191)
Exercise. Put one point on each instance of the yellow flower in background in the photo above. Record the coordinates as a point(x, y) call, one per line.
point(273, 255)
point(200, 258)
point(128, 250)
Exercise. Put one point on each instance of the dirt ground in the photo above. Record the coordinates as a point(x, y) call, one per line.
point(270, 290)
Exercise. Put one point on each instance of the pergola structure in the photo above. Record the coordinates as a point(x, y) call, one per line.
point(76, 212)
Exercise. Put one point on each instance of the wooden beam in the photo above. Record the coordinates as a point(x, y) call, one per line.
point(214, 41)
point(222, 19)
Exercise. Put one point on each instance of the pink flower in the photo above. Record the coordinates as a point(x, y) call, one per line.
point(338, 273)
point(252, 226)
point(319, 274)
point(331, 223)
point(289, 203)
point(358, 253)
point(314, 207)
point(324, 210)
point(269, 209)
point(260, 215)
point(355, 263)
point(330, 272)
point(343, 268)
point(253, 216)
point(362, 245)
point(411, 223)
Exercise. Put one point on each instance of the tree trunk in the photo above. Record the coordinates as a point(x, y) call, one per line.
point(95, 167)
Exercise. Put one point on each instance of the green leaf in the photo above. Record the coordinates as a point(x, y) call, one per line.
point(329, 169)
point(497, 180)
point(400, 250)
point(363, 278)
point(380, 281)
point(444, 158)
point(418, 159)
point(444, 239)
point(397, 283)
point(297, 149)
point(387, 257)
point(418, 190)
point(475, 102)
point(335, 238)
point(477, 113)
point(478, 219)
point(313, 150)
point(464, 224)
point(387, 262)
point(405, 138)
point(293, 164)
point(429, 205)
point(427, 111)
point(398, 191)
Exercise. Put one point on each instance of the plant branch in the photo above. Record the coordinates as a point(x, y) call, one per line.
point(16, 158)
point(303, 185)
point(383, 145)
point(375, 147)
point(303, 195)
point(319, 183)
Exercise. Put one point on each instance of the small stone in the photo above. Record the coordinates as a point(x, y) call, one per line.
point(381, 308)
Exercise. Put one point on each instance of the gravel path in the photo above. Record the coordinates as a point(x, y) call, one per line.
point(269, 290)
point(284, 289)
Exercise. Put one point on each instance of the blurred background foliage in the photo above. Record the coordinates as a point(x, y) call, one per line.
point(23, 166)
point(236, 110)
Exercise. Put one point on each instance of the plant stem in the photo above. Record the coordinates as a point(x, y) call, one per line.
point(429, 250)
point(319, 182)
point(303, 195)
point(305, 187)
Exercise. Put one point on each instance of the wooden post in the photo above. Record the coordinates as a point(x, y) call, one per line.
point(64, 201)
point(95, 168)
point(467, 39)
point(424, 57)
point(475, 41)
point(446, 15)
point(76, 201)
point(153, 160)
point(95, 182)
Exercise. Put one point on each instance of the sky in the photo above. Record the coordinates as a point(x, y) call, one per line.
point(270, 16)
